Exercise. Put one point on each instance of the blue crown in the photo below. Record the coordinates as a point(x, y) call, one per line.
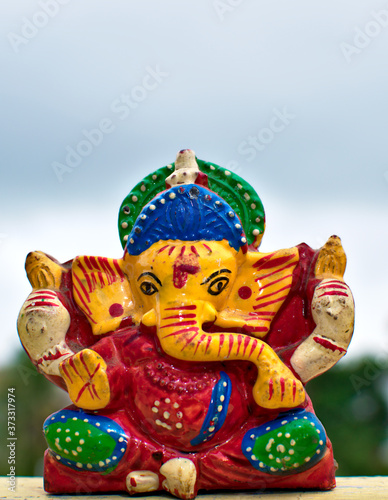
point(189, 213)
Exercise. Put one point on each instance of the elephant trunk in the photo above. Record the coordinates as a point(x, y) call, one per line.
point(180, 332)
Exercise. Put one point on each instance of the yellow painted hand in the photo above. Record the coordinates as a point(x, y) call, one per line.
point(276, 386)
point(86, 380)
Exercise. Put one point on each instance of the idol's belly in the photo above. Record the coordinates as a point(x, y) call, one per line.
point(189, 409)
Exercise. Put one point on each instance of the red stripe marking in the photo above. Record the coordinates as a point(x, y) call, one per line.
point(262, 313)
point(261, 350)
point(180, 316)
point(231, 342)
point(93, 278)
point(118, 269)
point(180, 323)
point(207, 248)
point(46, 292)
point(343, 294)
point(278, 261)
point(171, 250)
point(209, 338)
point(194, 250)
point(95, 391)
point(94, 263)
point(101, 278)
point(181, 308)
point(183, 330)
point(81, 391)
point(293, 390)
point(104, 269)
point(71, 363)
point(278, 270)
point(42, 303)
point(163, 248)
point(200, 341)
point(259, 329)
point(183, 250)
point(87, 262)
point(239, 340)
point(335, 281)
point(270, 389)
point(246, 343)
point(282, 387)
point(222, 338)
point(90, 390)
point(66, 372)
point(270, 302)
point(86, 274)
point(273, 282)
point(328, 345)
point(341, 287)
point(82, 288)
point(109, 273)
point(86, 366)
point(189, 340)
point(41, 297)
point(263, 260)
point(90, 317)
point(254, 344)
point(88, 312)
point(51, 357)
point(274, 293)
point(95, 371)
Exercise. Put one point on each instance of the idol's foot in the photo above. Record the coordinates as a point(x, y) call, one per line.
point(181, 476)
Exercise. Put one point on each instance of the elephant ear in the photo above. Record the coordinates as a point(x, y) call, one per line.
point(102, 292)
point(261, 287)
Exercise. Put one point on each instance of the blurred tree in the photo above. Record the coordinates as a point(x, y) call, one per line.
point(351, 401)
point(36, 398)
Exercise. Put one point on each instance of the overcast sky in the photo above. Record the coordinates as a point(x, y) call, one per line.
point(292, 96)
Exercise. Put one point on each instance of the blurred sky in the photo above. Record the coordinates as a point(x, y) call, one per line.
point(208, 75)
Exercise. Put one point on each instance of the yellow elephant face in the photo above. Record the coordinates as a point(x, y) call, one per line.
point(181, 272)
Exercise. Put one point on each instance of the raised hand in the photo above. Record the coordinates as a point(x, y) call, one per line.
point(333, 312)
point(42, 324)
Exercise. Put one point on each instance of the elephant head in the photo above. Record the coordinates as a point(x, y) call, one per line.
point(187, 267)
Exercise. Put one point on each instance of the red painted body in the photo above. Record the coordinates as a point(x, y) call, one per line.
point(145, 383)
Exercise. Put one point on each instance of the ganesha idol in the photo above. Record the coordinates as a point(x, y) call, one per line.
point(186, 359)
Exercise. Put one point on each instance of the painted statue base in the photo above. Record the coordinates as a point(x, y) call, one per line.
point(186, 359)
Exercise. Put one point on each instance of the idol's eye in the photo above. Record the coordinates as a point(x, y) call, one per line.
point(218, 285)
point(148, 288)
